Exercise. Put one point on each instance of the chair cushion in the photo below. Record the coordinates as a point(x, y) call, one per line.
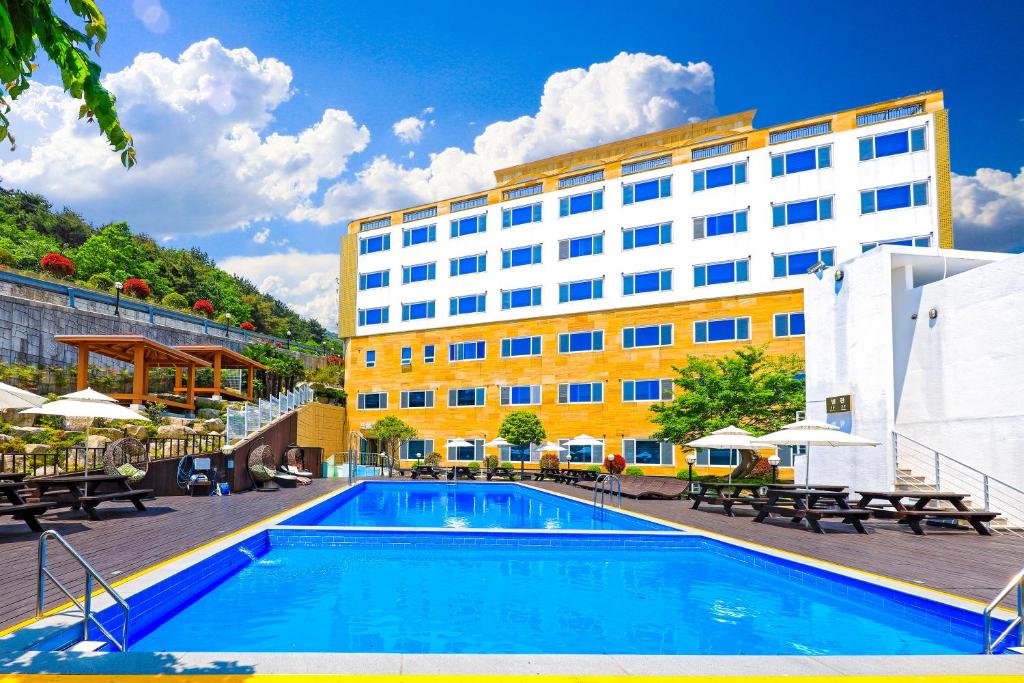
point(134, 474)
point(261, 472)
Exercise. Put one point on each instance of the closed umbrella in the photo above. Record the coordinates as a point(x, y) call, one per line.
point(728, 437)
point(814, 433)
point(13, 398)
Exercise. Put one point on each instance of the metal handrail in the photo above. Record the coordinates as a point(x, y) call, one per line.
point(612, 480)
point(85, 607)
point(1017, 623)
point(902, 437)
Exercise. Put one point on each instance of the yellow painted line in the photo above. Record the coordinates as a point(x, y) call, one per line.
point(471, 678)
point(164, 563)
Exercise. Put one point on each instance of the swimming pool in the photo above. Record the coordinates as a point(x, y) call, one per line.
point(462, 506)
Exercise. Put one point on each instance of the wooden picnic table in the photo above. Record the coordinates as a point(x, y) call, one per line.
point(727, 495)
point(456, 471)
point(77, 486)
point(19, 508)
point(815, 487)
point(804, 504)
point(913, 515)
point(12, 476)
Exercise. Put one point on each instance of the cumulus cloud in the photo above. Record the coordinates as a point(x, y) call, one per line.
point(988, 210)
point(208, 162)
point(305, 281)
point(409, 129)
point(261, 236)
point(628, 95)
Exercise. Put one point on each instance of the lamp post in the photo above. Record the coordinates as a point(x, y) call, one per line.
point(227, 327)
point(568, 461)
point(691, 458)
point(774, 461)
point(118, 286)
point(288, 333)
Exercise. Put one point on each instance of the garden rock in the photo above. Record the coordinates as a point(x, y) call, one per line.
point(26, 432)
point(203, 402)
point(137, 431)
point(36, 448)
point(46, 470)
point(214, 425)
point(173, 432)
point(208, 413)
point(96, 441)
point(78, 424)
point(108, 432)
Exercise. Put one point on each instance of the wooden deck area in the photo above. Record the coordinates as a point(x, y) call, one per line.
point(949, 560)
point(125, 542)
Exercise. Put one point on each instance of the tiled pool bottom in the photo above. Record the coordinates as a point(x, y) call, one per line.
point(324, 590)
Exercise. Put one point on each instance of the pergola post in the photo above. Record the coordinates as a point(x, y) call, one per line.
point(177, 378)
point(252, 383)
point(216, 376)
point(190, 390)
point(82, 381)
point(139, 379)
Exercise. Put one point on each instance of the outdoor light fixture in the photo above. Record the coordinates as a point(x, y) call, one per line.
point(289, 334)
point(839, 275)
point(691, 458)
point(774, 461)
point(227, 327)
point(118, 286)
point(933, 313)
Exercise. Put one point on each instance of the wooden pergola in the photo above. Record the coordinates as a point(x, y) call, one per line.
point(143, 354)
point(222, 359)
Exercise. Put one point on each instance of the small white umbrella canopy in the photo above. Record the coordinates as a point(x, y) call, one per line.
point(551, 447)
point(89, 395)
point(731, 437)
point(584, 440)
point(457, 443)
point(497, 443)
point(12, 398)
point(814, 433)
point(69, 407)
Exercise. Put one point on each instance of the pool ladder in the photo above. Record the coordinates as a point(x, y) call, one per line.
point(611, 482)
point(1017, 582)
point(85, 606)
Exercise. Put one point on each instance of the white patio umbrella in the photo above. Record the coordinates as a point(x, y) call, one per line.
point(583, 440)
point(497, 442)
point(813, 433)
point(731, 437)
point(13, 398)
point(89, 395)
point(551, 447)
point(457, 443)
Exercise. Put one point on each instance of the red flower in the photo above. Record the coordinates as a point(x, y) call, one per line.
point(133, 286)
point(247, 326)
point(203, 306)
point(335, 359)
point(615, 464)
point(58, 265)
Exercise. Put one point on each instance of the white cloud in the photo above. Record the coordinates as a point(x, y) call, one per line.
point(988, 210)
point(306, 282)
point(207, 161)
point(628, 95)
point(409, 130)
point(261, 236)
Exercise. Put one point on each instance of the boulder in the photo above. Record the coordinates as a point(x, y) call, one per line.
point(137, 431)
point(204, 402)
point(47, 470)
point(96, 441)
point(108, 432)
point(15, 417)
point(36, 448)
point(208, 414)
point(214, 425)
point(5, 438)
point(78, 424)
point(25, 432)
point(173, 431)
point(180, 421)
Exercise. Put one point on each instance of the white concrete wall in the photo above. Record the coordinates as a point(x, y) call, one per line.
point(845, 232)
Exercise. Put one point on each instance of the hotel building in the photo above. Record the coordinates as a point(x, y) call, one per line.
point(574, 285)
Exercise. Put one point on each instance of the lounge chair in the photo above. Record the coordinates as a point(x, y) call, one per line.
point(290, 466)
point(262, 474)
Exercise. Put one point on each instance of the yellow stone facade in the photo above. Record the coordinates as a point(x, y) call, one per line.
point(611, 420)
point(324, 426)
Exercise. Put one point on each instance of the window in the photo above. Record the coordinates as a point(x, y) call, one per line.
point(581, 454)
point(790, 134)
point(520, 395)
point(376, 223)
point(375, 400)
point(896, 197)
point(646, 236)
point(428, 354)
point(419, 273)
point(471, 350)
point(891, 144)
point(633, 193)
point(789, 324)
point(470, 397)
point(718, 457)
point(421, 310)
point(646, 164)
point(581, 203)
point(527, 453)
point(469, 226)
point(406, 355)
point(721, 330)
point(373, 316)
point(581, 290)
point(525, 191)
point(466, 453)
point(651, 281)
point(581, 342)
point(520, 298)
point(721, 273)
point(470, 303)
point(802, 212)
point(799, 262)
point(581, 179)
point(520, 256)
point(410, 216)
point(470, 203)
point(371, 358)
point(588, 245)
point(647, 452)
point(787, 453)
point(647, 336)
point(720, 224)
point(923, 241)
point(413, 236)
point(370, 245)
point(515, 347)
point(467, 265)
point(416, 449)
point(801, 160)
point(418, 399)
point(720, 176)
point(581, 392)
point(646, 390)
point(520, 215)
point(899, 112)
point(381, 278)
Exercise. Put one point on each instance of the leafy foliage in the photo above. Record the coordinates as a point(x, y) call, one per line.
point(137, 288)
point(174, 300)
point(615, 464)
point(101, 281)
point(204, 307)
point(26, 25)
point(634, 471)
point(247, 326)
point(749, 389)
point(549, 461)
point(391, 431)
point(521, 428)
point(57, 264)
point(288, 367)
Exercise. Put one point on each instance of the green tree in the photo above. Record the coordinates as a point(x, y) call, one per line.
point(749, 388)
point(391, 431)
point(521, 428)
point(26, 25)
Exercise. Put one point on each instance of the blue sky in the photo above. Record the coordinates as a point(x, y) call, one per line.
point(279, 152)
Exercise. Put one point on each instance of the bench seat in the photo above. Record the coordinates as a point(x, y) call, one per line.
point(27, 512)
point(90, 502)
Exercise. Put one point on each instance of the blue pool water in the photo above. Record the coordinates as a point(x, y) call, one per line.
point(462, 506)
point(490, 593)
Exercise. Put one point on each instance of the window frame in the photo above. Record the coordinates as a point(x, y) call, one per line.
point(431, 310)
point(819, 202)
point(536, 215)
point(476, 394)
point(430, 266)
point(661, 282)
point(660, 228)
point(910, 143)
point(429, 358)
point(536, 342)
point(596, 284)
point(821, 251)
point(567, 392)
point(536, 392)
point(407, 233)
point(385, 279)
point(362, 315)
point(814, 149)
point(912, 187)
point(568, 336)
point(736, 329)
point(702, 174)
point(565, 202)
point(404, 399)
point(661, 390)
point(788, 317)
point(481, 225)
point(735, 269)
point(481, 304)
point(361, 400)
point(370, 358)
point(661, 182)
point(536, 297)
point(480, 347)
point(703, 221)
point(536, 252)
point(661, 327)
point(596, 238)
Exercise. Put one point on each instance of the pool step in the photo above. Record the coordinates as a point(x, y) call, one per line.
point(87, 646)
point(1015, 650)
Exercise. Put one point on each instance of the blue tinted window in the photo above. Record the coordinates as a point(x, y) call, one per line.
point(414, 236)
point(893, 197)
point(648, 335)
point(370, 245)
point(580, 291)
point(647, 190)
point(650, 235)
point(580, 246)
point(802, 212)
point(521, 256)
point(371, 358)
point(720, 330)
point(419, 273)
point(573, 342)
point(471, 350)
point(373, 316)
point(721, 272)
point(469, 226)
point(374, 280)
point(520, 298)
point(718, 177)
point(647, 390)
point(473, 303)
point(581, 203)
point(520, 346)
point(418, 311)
point(804, 160)
point(520, 215)
point(892, 143)
point(428, 353)
point(580, 393)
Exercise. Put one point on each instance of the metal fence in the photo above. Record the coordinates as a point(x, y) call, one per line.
point(243, 421)
point(79, 458)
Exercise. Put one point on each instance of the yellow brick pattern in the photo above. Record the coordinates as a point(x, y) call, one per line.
point(942, 170)
point(611, 420)
point(323, 426)
point(347, 286)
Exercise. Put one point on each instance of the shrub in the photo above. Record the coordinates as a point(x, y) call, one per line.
point(8, 259)
point(683, 474)
point(473, 467)
point(634, 471)
point(58, 265)
point(335, 359)
point(507, 466)
point(490, 461)
point(594, 468)
point(137, 288)
point(101, 281)
point(432, 459)
point(333, 395)
point(549, 461)
point(204, 307)
point(174, 300)
point(615, 464)
point(247, 326)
